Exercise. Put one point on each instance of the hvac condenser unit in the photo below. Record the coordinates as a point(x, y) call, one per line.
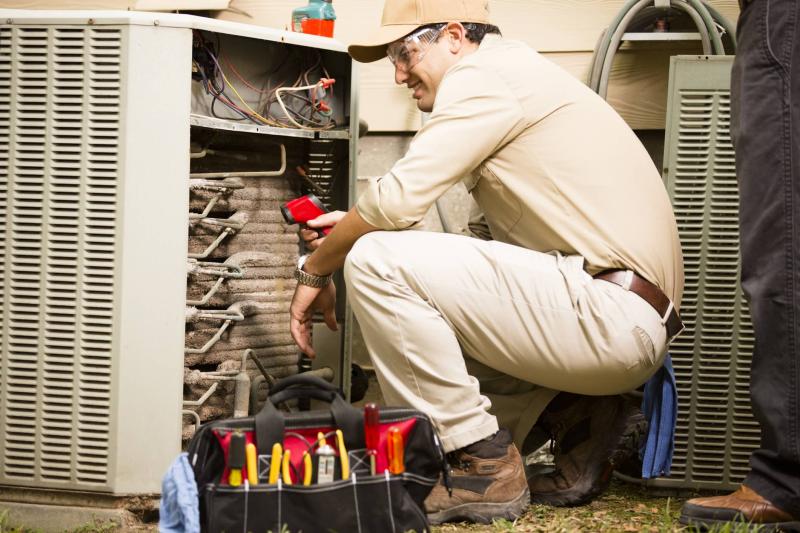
point(716, 430)
point(103, 117)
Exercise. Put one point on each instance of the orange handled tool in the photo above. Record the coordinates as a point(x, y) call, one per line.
point(395, 444)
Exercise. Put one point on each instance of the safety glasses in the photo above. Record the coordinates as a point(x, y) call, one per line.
point(410, 50)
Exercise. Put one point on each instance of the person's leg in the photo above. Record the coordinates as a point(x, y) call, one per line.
point(517, 404)
point(766, 135)
point(421, 298)
point(767, 142)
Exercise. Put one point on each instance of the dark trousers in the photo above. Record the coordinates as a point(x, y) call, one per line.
point(766, 134)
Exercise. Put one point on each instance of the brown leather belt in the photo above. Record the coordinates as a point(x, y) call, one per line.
point(650, 294)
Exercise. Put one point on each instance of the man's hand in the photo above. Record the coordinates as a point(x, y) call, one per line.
point(306, 301)
point(312, 238)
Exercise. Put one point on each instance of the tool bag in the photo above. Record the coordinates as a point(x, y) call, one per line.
point(363, 502)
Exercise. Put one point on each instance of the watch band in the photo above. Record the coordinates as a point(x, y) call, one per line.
point(306, 278)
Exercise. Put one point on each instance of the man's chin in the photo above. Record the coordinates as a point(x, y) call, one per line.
point(424, 106)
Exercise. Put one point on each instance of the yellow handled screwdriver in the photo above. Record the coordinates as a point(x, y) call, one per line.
point(275, 462)
point(252, 468)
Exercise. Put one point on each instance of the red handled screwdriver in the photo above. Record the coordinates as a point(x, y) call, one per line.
point(372, 433)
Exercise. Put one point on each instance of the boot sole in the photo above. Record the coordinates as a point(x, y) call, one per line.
point(483, 513)
point(576, 496)
point(703, 524)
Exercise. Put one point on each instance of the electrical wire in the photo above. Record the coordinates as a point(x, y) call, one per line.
point(301, 88)
point(216, 84)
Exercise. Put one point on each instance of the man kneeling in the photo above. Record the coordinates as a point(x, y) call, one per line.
point(575, 292)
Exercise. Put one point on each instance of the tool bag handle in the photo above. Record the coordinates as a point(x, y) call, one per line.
point(305, 380)
point(270, 423)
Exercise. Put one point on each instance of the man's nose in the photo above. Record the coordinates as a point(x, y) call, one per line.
point(400, 76)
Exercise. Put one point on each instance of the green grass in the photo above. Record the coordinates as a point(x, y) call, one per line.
point(623, 508)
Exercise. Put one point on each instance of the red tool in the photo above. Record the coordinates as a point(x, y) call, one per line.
point(301, 210)
point(395, 448)
point(372, 430)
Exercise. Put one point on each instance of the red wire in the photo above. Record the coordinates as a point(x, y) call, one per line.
point(236, 73)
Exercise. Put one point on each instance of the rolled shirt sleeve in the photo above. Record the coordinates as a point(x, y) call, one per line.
point(474, 115)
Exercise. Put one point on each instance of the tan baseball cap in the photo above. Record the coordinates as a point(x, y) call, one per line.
point(401, 17)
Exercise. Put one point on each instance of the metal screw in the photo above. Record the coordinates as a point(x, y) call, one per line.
point(91, 21)
point(9, 21)
point(156, 23)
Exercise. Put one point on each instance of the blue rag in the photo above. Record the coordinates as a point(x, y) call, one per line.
point(180, 508)
point(660, 408)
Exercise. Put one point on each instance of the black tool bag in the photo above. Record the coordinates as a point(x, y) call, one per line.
point(363, 502)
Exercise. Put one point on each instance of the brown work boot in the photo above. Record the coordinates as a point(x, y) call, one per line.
point(744, 506)
point(590, 435)
point(488, 482)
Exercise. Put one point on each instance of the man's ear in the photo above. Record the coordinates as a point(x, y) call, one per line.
point(456, 36)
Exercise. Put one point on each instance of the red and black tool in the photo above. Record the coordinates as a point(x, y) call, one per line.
point(301, 210)
point(372, 430)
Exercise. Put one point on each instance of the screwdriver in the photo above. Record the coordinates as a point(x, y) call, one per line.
point(395, 448)
point(236, 458)
point(372, 433)
point(275, 462)
point(252, 469)
point(344, 460)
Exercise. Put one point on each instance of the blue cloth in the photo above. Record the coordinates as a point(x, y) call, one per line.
point(180, 508)
point(660, 408)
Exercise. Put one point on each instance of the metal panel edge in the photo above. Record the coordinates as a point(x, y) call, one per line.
point(154, 172)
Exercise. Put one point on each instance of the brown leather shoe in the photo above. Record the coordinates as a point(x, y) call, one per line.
point(591, 434)
point(488, 482)
point(745, 506)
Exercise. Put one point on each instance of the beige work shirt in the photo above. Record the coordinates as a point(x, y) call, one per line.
point(549, 162)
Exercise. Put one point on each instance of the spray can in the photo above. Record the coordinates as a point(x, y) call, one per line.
point(316, 18)
point(326, 463)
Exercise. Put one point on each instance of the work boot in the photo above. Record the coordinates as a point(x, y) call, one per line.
point(590, 435)
point(488, 483)
point(743, 506)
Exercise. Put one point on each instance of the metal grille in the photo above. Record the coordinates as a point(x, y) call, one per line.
point(716, 431)
point(60, 102)
point(322, 168)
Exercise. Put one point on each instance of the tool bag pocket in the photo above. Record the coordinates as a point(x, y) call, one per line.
point(359, 502)
point(366, 504)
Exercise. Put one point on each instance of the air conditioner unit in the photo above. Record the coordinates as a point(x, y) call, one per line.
point(99, 112)
point(716, 430)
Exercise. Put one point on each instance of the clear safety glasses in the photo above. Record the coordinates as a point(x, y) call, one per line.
point(410, 50)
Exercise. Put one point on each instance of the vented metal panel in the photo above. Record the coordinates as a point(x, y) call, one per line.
point(716, 431)
point(60, 91)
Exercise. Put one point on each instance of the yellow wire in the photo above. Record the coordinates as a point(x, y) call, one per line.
point(280, 101)
point(266, 120)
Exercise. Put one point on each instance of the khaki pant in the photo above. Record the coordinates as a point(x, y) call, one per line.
point(471, 331)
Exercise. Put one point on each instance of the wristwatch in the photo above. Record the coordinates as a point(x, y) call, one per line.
point(312, 280)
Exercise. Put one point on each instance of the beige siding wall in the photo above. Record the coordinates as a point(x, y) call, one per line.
point(565, 30)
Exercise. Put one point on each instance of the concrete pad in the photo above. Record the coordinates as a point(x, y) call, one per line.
point(59, 518)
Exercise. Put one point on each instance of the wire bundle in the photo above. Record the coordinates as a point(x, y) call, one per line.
point(710, 23)
point(313, 113)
